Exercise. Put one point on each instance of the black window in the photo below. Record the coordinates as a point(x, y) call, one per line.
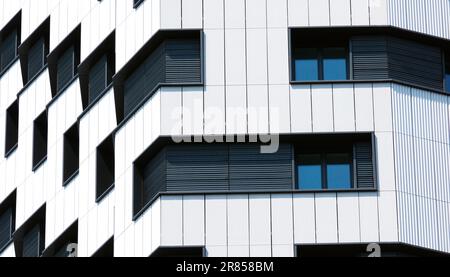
point(12, 128)
point(343, 166)
point(40, 139)
point(33, 241)
point(7, 220)
point(105, 167)
point(8, 49)
point(65, 68)
point(71, 154)
point(447, 74)
point(99, 78)
point(324, 63)
point(36, 58)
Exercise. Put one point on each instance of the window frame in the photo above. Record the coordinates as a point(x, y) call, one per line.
point(320, 49)
point(324, 152)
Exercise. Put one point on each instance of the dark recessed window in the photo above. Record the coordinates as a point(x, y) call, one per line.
point(71, 154)
point(7, 220)
point(8, 49)
point(313, 64)
point(105, 166)
point(33, 241)
point(12, 127)
point(447, 74)
point(36, 58)
point(40, 139)
point(99, 78)
point(345, 166)
point(136, 3)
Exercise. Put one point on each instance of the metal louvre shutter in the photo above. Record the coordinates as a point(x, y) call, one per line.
point(183, 61)
point(197, 168)
point(5, 227)
point(250, 170)
point(97, 79)
point(65, 68)
point(31, 242)
point(415, 63)
point(143, 80)
point(364, 165)
point(154, 178)
point(35, 58)
point(370, 59)
point(174, 61)
point(8, 50)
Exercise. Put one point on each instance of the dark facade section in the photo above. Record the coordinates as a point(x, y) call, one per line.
point(387, 57)
point(365, 172)
point(168, 58)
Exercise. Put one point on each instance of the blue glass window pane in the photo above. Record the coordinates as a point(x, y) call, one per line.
point(334, 64)
point(310, 172)
point(339, 171)
point(306, 65)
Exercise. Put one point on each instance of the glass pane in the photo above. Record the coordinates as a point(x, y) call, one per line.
point(306, 64)
point(334, 64)
point(309, 172)
point(339, 171)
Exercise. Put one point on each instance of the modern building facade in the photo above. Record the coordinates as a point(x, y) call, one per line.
point(230, 128)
